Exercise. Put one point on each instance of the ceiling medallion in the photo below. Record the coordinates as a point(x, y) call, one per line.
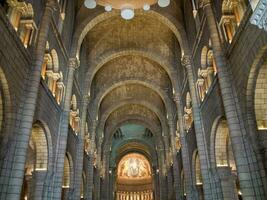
point(127, 7)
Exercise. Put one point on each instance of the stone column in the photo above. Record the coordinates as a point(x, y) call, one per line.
point(90, 184)
point(97, 185)
point(228, 183)
point(162, 175)
point(176, 171)
point(156, 184)
point(211, 189)
point(251, 176)
point(189, 186)
point(11, 178)
point(63, 134)
point(80, 150)
point(105, 186)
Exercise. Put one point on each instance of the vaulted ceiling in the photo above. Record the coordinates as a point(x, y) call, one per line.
point(132, 68)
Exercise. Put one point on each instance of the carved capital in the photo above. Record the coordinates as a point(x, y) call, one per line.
point(86, 98)
point(94, 124)
point(206, 3)
point(171, 123)
point(176, 98)
point(73, 63)
point(52, 4)
point(186, 60)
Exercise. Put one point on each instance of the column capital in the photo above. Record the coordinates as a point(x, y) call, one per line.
point(171, 122)
point(206, 3)
point(176, 97)
point(86, 98)
point(52, 4)
point(74, 63)
point(94, 124)
point(186, 60)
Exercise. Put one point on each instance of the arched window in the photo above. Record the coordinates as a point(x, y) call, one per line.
point(206, 73)
point(83, 185)
point(198, 175)
point(188, 112)
point(183, 186)
point(260, 98)
point(66, 174)
point(21, 17)
point(1, 108)
point(66, 179)
point(198, 170)
point(52, 76)
point(232, 13)
point(74, 115)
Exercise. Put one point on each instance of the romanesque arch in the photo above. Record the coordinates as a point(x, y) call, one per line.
point(197, 176)
point(67, 176)
point(222, 159)
point(38, 161)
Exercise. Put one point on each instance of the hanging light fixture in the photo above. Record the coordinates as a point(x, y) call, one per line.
point(127, 7)
point(127, 13)
point(91, 4)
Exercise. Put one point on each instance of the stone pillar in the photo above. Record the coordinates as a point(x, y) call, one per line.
point(211, 189)
point(97, 182)
point(11, 178)
point(252, 177)
point(228, 183)
point(189, 186)
point(162, 175)
point(156, 184)
point(80, 150)
point(63, 135)
point(175, 168)
point(90, 184)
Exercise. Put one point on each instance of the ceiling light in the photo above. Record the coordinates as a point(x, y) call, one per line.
point(90, 4)
point(127, 13)
point(127, 7)
point(163, 3)
point(146, 7)
point(108, 8)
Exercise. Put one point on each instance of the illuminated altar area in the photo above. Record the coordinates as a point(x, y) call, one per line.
point(134, 178)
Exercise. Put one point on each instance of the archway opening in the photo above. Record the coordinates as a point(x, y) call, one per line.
point(260, 101)
point(36, 162)
point(225, 162)
point(134, 178)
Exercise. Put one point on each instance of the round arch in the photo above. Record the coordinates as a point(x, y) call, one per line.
point(105, 116)
point(221, 152)
point(99, 16)
point(259, 61)
point(105, 91)
point(5, 112)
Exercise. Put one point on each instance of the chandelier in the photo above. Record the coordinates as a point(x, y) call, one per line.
point(126, 7)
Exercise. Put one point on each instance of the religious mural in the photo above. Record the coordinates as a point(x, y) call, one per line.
point(134, 166)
